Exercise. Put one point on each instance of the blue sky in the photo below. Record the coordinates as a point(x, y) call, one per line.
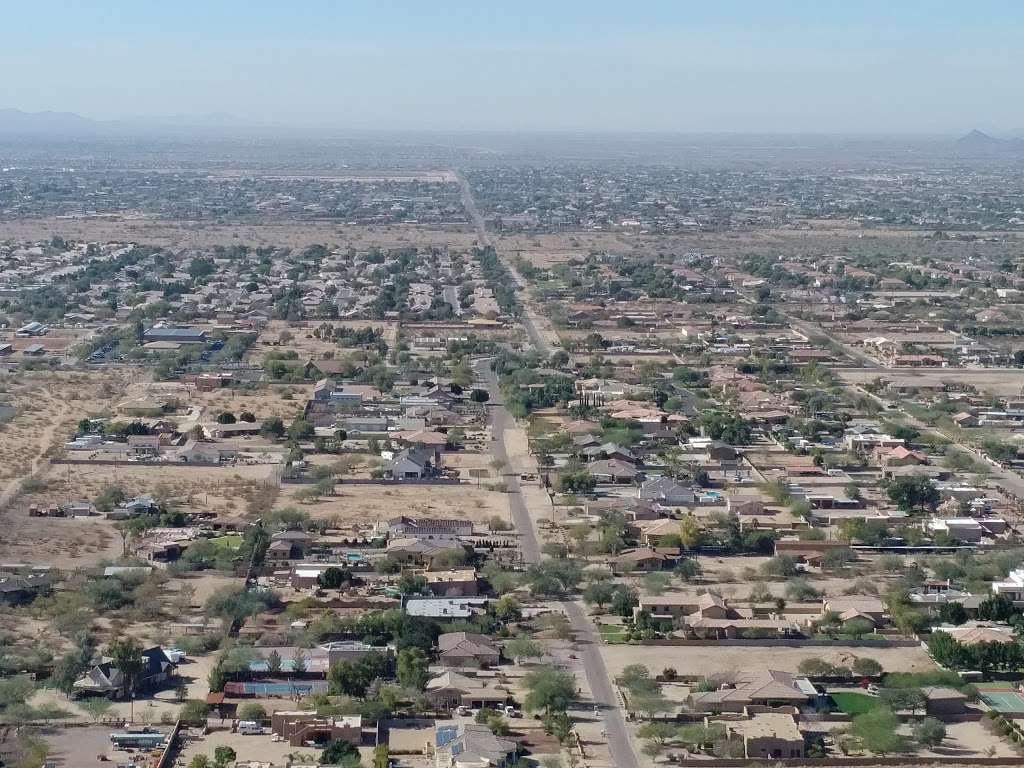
point(857, 66)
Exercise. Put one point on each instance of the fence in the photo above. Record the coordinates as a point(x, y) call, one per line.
point(772, 642)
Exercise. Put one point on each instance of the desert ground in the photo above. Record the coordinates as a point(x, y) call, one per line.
point(80, 542)
point(205, 234)
point(710, 659)
point(362, 506)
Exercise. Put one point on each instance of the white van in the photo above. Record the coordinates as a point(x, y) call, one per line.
point(250, 728)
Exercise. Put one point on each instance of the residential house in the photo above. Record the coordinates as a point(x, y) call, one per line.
point(754, 688)
point(411, 464)
point(105, 679)
point(467, 649)
point(428, 528)
point(455, 582)
point(301, 728)
point(666, 491)
point(451, 689)
point(16, 589)
point(472, 746)
point(768, 735)
point(613, 471)
point(645, 559)
point(445, 607)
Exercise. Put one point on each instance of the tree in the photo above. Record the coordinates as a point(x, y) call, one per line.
point(858, 627)
point(915, 492)
point(559, 725)
point(334, 578)
point(522, 647)
point(875, 731)
point(660, 733)
point(247, 416)
point(272, 427)
point(930, 732)
point(127, 657)
point(598, 593)
point(839, 557)
point(274, 662)
point(624, 600)
point(223, 755)
point(867, 667)
point(412, 668)
point(656, 583)
point(814, 667)
point(299, 661)
point(952, 613)
point(194, 711)
point(199, 761)
point(902, 698)
point(340, 752)
point(549, 689)
point(800, 589)
point(996, 608)
point(690, 532)
point(252, 711)
point(687, 569)
point(507, 609)
point(479, 396)
point(300, 429)
point(226, 417)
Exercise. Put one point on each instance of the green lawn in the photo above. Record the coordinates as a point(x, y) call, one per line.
point(854, 703)
point(612, 633)
point(231, 541)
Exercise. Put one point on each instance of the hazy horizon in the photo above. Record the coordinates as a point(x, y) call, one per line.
point(924, 69)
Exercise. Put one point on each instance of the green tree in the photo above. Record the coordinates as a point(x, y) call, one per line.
point(522, 647)
point(223, 755)
point(913, 493)
point(412, 668)
point(598, 593)
point(127, 657)
point(340, 752)
point(867, 667)
point(876, 731)
point(930, 732)
point(549, 689)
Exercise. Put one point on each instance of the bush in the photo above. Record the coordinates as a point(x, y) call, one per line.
point(252, 711)
point(194, 710)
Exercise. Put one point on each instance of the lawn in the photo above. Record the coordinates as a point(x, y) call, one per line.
point(612, 633)
point(854, 703)
point(231, 541)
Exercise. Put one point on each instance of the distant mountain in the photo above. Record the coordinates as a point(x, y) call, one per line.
point(978, 141)
point(16, 122)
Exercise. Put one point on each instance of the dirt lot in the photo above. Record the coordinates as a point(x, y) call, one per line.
point(998, 381)
point(362, 506)
point(86, 541)
point(712, 659)
point(202, 234)
point(46, 405)
point(306, 345)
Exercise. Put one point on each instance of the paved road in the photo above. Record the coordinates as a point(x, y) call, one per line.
point(600, 684)
point(1011, 481)
point(529, 318)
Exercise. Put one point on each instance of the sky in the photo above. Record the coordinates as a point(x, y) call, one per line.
point(764, 66)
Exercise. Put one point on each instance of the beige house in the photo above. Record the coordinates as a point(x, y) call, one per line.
point(768, 736)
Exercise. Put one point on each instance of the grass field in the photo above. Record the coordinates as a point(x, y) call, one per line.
point(232, 541)
point(612, 633)
point(854, 703)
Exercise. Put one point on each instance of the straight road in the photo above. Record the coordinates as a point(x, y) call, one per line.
point(529, 319)
point(600, 684)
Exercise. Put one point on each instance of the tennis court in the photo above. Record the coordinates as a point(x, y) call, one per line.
point(291, 688)
point(1005, 701)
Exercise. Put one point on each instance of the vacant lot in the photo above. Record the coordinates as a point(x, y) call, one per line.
point(203, 234)
point(86, 541)
point(360, 507)
point(998, 381)
point(711, 659)
point(45, 406)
